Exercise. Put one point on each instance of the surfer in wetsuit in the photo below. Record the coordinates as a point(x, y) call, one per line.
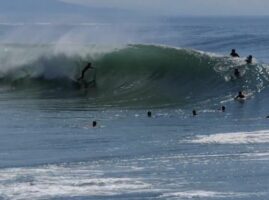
point(81, 78)
point(249, 59)
point(240, 95)
point(86, 68)
point(234, 54)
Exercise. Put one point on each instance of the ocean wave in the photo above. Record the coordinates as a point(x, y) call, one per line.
point(139, 74)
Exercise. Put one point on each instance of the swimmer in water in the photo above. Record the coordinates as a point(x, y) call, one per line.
point(94, 123)
point(240, 95)
point(222, 109)
point(249, 59)
point(234, 54)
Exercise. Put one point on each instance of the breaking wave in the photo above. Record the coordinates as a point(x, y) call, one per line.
point(141, 74)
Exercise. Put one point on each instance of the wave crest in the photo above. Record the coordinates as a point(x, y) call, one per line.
point(140, 74)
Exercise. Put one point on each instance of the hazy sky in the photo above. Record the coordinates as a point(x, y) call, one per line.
point(81, 10)
point(185, 7)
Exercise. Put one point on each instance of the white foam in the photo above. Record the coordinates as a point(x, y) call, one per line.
point(234, 138)
point(52, 181)
point(202, 194)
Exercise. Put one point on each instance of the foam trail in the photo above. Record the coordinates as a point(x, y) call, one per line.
point(63, 181)
point(198, 194)
point(234, 138)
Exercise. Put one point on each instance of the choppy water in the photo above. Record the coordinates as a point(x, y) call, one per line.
point(49, 149)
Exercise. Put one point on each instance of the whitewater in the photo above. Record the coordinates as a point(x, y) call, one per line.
point(49, 149)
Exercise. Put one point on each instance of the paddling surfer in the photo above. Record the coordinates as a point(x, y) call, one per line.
point(234, 54)
point(249, 59)
point(240, 96)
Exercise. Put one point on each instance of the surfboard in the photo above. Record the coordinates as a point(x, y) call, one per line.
point(83, 83)
point(88, 81)
point(241, 100)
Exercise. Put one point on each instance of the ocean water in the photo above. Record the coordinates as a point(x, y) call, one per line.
point(49, 149)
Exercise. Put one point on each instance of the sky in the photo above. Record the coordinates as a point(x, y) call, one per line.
point(185, 7)
point(32, 21)
point(89, 9)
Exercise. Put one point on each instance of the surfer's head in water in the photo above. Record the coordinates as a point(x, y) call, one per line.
point(240, 95)
point(234, 54)
point(149, 114)
point(194, 113)
point(222, 108)
point(94, 123)
point(249, 59)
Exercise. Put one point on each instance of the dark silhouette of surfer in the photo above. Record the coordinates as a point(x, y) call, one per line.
point(81, 78)
point(222, 108)
point(86, 68)
point(94, 123)
point(240, 95)
point(249, 59)
point(234, 54)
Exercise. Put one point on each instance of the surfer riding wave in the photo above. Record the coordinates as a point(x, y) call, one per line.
point(82, 80)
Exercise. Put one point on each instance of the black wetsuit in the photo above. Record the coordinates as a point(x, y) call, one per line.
point(240, 96)
point(234, 54)
point(249, 60)
point(83, 72)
